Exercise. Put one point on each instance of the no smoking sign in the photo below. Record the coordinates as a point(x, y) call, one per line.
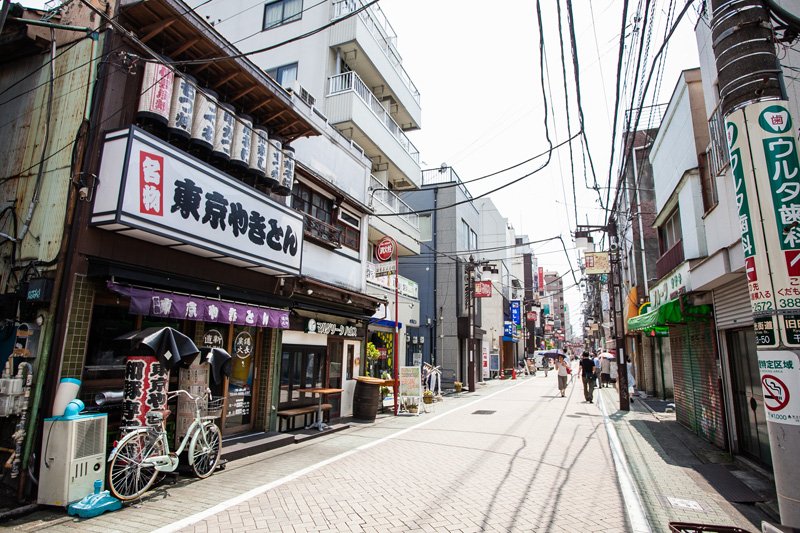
point(776, 393)
point(780, 383)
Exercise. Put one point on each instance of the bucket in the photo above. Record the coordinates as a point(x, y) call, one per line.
point(67, 391)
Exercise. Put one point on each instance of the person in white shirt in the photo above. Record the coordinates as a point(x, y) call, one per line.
point(563, 368)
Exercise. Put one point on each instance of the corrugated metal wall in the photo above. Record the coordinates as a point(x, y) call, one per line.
point(698, 401)
point(732, 305)
point(23, 109)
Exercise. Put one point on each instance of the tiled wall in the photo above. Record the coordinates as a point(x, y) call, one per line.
point(264, 420)
point(80, 317)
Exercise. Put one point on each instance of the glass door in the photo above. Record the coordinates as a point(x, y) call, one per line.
point(301, 367)
point(334, 378)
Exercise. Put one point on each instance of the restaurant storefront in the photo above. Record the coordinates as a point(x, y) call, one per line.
point(320, 350)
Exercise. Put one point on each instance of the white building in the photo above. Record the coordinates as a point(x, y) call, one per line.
point(352, 76)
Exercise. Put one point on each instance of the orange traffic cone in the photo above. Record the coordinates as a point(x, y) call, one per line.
point(513, 373)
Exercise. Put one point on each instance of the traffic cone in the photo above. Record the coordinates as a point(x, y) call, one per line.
point(513, 373)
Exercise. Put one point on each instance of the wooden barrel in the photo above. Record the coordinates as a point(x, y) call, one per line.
point(366, 398)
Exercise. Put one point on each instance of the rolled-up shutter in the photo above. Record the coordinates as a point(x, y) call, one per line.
point(732, 305)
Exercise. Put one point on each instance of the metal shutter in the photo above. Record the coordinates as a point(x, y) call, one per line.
point(732, 305)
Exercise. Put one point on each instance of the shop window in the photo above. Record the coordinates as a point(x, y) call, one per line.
point(301, 367)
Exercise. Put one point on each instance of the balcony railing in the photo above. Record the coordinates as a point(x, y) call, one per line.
point(350, 82)
point(406, 287)
point(392, 202)
point(321, 232)
point(669, 260)
point(383, 32)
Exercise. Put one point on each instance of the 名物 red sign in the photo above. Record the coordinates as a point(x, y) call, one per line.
point(384, 250)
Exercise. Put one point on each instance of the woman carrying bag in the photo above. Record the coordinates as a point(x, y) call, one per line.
point(563, 369)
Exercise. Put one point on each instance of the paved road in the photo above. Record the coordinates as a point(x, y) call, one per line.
point(513, 456)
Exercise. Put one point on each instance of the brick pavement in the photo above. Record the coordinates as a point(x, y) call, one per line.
point(670, 489)
point(532, 465)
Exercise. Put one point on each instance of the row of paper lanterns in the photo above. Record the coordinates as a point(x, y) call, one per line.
point(174, 100)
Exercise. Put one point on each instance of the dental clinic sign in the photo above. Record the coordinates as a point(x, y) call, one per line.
point(176, 200)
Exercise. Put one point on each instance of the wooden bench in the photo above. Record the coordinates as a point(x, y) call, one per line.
point(304, 410)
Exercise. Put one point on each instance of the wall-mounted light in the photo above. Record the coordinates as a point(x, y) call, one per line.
point(349, 300)
point(310, 292)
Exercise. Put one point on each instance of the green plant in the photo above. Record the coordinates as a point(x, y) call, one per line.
point(457, 385)
point(428, 394)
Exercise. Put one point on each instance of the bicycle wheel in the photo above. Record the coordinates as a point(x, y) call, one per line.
point(205, 449)
point(127, 477)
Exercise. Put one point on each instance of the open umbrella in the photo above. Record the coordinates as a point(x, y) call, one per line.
point(606, 355)
point(220, 362)
point(554, 354)
point(171, 347)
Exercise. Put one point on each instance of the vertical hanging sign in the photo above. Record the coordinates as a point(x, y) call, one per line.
point(759, 275)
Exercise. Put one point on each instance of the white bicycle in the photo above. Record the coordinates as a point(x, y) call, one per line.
point(144, 451)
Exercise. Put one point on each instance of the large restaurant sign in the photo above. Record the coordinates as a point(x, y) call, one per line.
point(155, 192)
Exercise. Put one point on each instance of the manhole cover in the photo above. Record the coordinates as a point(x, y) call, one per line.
point(483, 412)
point(681, 503)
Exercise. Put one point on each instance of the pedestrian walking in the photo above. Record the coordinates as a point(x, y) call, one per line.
point(588, 376)
point(563, 369)
point(605, 372)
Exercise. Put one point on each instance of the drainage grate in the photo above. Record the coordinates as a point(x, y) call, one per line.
point(483, 412)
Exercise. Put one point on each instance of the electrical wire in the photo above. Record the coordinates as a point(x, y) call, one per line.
point(566, 108)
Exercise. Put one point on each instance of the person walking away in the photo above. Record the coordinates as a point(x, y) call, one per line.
point(631, 377)
point(563, 370)
point(605, 372)
point(588, 377)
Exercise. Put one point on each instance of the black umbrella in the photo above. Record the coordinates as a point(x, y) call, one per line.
point(554, 355)
point(171, 347)
point(219, 360)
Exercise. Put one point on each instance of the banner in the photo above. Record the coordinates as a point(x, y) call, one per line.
point(516, 312)
point(180, 306)
point(483, 289)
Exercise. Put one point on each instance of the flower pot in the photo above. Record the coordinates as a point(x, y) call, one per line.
point(427, 399)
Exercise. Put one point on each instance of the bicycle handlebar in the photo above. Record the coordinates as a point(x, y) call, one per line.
point(176, 393)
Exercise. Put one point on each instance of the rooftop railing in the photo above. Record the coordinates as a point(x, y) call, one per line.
point(392, 202)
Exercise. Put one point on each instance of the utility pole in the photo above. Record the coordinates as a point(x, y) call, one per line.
point(615, 294)
point(766, 176)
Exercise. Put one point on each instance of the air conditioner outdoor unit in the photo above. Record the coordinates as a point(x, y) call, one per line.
point(73, 457)
point(304, 95)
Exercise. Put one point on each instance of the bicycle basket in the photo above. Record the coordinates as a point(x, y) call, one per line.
point(212, 408)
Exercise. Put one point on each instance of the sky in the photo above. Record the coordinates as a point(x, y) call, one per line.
point(477, 69)
point(482, 107)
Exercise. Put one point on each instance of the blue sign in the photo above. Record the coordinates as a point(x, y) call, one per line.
point(508, 329)
point(516, 312)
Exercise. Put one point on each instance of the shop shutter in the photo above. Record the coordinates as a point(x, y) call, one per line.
point(732, 305)
point(698, 402)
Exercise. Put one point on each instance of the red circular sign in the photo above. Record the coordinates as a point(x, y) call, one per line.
point(776, 393)
point(384, 250)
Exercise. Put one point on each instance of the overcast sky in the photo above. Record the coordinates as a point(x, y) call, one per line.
point(477, 69)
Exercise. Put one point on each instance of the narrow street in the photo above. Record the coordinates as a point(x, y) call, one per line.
point(514, 456)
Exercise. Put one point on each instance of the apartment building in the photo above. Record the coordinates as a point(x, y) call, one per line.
point(347, 67)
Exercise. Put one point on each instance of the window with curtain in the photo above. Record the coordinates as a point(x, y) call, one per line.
point(669, 234)
point(282, 11)
point(284, 75)
point(350, 226)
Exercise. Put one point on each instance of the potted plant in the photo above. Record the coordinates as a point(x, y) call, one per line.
point(457, 385)
point(412, 407)
point(427, 396)
point(372, 356)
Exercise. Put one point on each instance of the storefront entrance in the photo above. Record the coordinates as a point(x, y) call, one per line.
point(748, 397)
point(301, 367)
